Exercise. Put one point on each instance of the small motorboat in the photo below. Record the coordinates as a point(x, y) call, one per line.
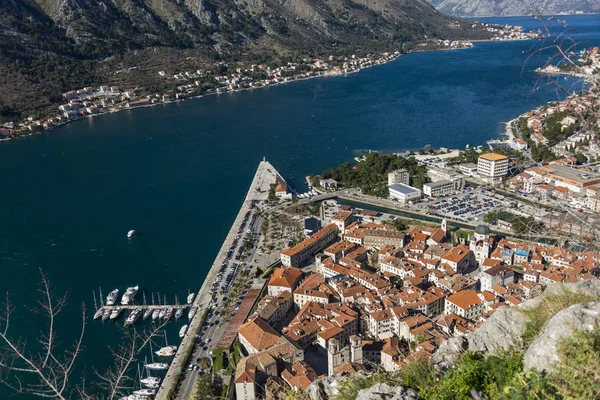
point(178, 314)
point(130, 234)
point(190, 298)
point(106, 314)
point(182, 331)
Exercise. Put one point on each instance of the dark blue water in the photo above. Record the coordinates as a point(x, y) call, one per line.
point(178, 173)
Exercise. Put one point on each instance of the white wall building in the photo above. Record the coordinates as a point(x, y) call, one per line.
point(398, 176)
point(492, 167)
point(404, 193)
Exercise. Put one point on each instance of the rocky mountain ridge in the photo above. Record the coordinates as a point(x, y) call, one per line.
point(495, 8)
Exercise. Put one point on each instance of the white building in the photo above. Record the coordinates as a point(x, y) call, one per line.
point(492, 167)
point(468, 169)
point(439, 188)
point(398, 176)
point(404, 193)
point(465, 304)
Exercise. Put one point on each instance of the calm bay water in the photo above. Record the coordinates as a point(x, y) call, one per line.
point(177, 173)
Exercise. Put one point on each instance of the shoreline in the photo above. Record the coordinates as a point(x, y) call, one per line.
point(323, 75)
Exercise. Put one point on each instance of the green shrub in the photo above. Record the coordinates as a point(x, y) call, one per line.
point(577, 374)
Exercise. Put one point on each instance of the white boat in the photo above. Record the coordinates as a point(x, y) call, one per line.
point(151, 382)
point(157, 366)
point(190, 298)
point(129, 294)
point(131, 233)
point(182, 331)
point(155, 314)
point(99, 313)
point(115, 313)
point(161, 313)
point(112, 297)
point(147, 314)
point(135, 397)
point(145, 392)
point(106, 314)
point(168, 351)
point(191, 313)
point(168, 313)
point(178, 314)
point(133, 317)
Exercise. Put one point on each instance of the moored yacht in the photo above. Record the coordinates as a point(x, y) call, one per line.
point(182, 331)
point(168, 351)
point(157, 366)
point(155, 314)
point(129, 294)
point(161, 313)
point(106, 314)
point(115, 313)
point(178, 314)
point(152, 382)
point(191, 313)
point(190, 298)
point(169, 313)
point(99, 313)
point(112, 297)
point(147, 314)
point(145, 392)
point(133, 317)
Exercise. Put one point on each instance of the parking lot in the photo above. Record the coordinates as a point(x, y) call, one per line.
point(470, 206)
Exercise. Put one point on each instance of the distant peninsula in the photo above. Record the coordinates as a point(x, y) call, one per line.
point(504, 8)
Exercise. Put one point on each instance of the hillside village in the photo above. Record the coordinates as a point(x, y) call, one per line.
point(360, 295)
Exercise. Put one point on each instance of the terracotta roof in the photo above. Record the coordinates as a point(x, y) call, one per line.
point(465, 299)
point(285, 277)
point(307, 242)
point(259, 334)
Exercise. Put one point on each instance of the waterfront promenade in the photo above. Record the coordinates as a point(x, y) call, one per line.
point(265, 175)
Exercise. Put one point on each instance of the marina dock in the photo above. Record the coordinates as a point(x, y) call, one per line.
point(147, 307)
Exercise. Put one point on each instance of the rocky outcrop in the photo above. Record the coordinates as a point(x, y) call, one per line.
point(505, 328)
point(488, 8)
point(543, 352)
point(383, 391)
point(501, 331)
point(325, 388)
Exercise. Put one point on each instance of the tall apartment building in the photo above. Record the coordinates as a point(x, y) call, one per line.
point(492, 167)
point(398, 176)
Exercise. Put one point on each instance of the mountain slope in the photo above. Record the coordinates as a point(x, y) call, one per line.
point(51, 46)
point(486, 8)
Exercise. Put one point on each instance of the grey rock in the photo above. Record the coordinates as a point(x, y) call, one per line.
point(501, 331)
point(543, 352)
point(588, 287)
point(325, 388)
point(383, 391)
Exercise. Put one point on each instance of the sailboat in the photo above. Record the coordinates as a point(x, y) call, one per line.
point(154, 366)
point(155, 314)
point(148, 311)
point(182, 331)
point(151, 382)
point(191, 313)
point(99, 313)
point(106, 314)
point(115, 313)
point(178, 314)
